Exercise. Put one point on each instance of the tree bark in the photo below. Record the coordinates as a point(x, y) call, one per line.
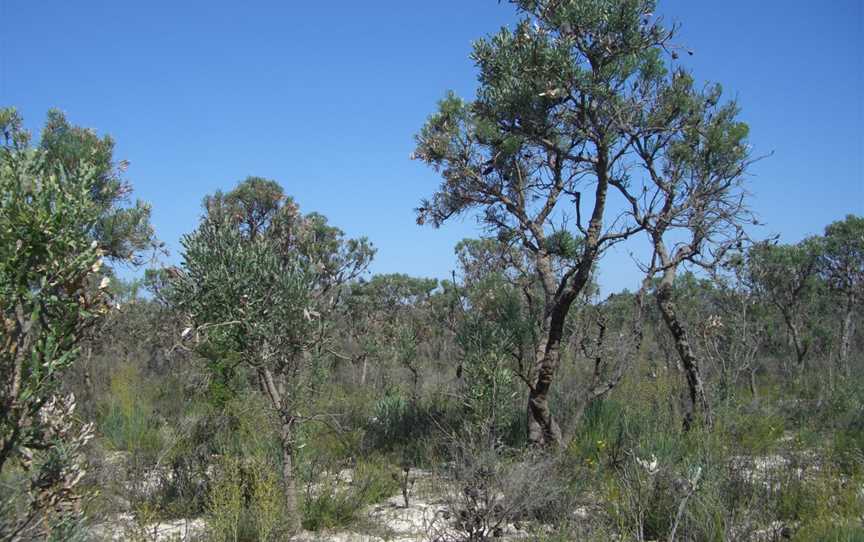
point(286, 436)
point(698, 398)
point(291, 509)
point(754, 391)
point(543, 429)
point(847, 328)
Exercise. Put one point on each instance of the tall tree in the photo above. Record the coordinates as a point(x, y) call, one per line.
point(562, 101)
point(389, 318)
point(258, 281)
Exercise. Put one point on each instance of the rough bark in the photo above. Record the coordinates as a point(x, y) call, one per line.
point(543, 430)
point(698, 400)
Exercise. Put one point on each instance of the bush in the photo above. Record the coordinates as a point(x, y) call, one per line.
point(126, 417)
point(332, 501)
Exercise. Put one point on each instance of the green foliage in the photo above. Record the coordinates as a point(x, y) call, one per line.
point(787, 278)
point(126, 417)
point(490, 383)
point(412, 430)
point(755, 433)
point(266, 501)
point(225, 507)
point(50, 293)
point(843, 256)
point(330, 505)
point(122, 231)
point(257, 280)
point(828, 530)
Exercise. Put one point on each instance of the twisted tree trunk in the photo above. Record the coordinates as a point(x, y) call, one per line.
point(543, 430)
point(698, 398)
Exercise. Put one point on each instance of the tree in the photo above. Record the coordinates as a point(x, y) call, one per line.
point(51, 290)
point(389, 318)
point(842, 265)
point(123, 231)
point(258, 281)
point(787, 277)
point(726, 323)
point(502, 299)
point(563, 101)
point(695, 154)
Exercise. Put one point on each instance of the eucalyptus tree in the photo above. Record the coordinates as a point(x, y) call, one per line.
point(694, 153)
point(842, 265)
point(787, 278)
point(733, 333)
point(563, 100)
point(258, 281)
point(499, 290)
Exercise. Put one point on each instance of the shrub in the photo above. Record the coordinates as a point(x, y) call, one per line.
point(126, 417)
point(331, 501)
point(225, 505)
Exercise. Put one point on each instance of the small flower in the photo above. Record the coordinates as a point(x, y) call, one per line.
point(97, 265)
point(104, 283)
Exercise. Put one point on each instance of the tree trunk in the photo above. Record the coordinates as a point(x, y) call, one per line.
point(286, 436)
point(363, 370)
point(543, 430)
point(754, 391)
point(847, 328)
point(698, 398)
point(292, 511)
point(795, 337)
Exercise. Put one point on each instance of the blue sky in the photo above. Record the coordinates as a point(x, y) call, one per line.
point(326, 98)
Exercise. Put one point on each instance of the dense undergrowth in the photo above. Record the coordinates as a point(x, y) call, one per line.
point(790, 460)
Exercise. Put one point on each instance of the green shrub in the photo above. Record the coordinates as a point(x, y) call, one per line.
point(268, 501)
point(756, 433)
point(331, 503)
point(126, 417)
point(828, 531)
point(225, 506)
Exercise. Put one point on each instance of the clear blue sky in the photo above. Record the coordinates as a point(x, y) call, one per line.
point(326, 97)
